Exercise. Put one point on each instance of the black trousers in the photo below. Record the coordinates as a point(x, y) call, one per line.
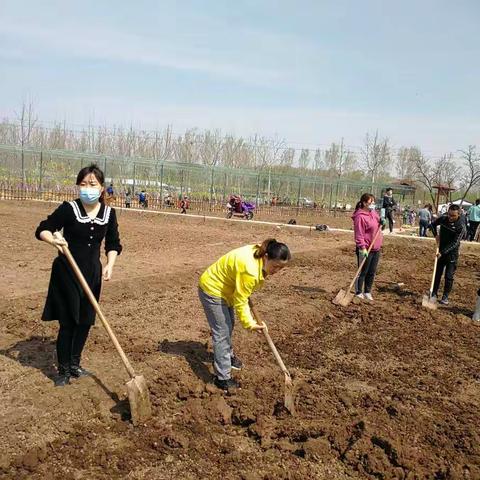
point(389, 217)
point(447, 263)
point(472, 230)
point(70, 342)
point(423, 228)
point(364, 281)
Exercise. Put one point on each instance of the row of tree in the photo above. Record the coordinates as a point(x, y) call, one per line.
point(374, 161)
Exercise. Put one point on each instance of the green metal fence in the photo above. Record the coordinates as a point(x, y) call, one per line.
point(56, 170)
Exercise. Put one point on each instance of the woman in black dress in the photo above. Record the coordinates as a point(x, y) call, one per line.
point(86, 221)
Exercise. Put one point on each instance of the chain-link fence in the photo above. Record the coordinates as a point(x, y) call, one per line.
point(39, 171)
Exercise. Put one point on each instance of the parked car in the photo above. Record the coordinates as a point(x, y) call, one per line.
point(306, 202)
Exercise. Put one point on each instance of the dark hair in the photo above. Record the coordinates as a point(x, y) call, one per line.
point(454, 208)
point(477, 201)
point(275, 250)
point(92, 168)
point(364, 199)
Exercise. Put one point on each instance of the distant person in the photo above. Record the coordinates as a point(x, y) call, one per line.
point(389, 205)
point(424, 220)
point(110, 190)
point(184, 204)
point(128, 199)
point(143, 199)
point(366, 223)
point(452, 230)
point(224, 291)
point(412, 217)
point(473, 219)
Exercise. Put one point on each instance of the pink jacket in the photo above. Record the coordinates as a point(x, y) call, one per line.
point(365, 226)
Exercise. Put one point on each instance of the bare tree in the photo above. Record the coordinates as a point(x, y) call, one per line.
point(376, 155)
point(406, 161)
point(471, 176)
point(338, 160)
point(287, 158)
point(27, 120)
point(304, 159)
point(442, 172)
point(318, 162)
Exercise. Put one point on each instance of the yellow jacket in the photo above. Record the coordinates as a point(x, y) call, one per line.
point(234, 277)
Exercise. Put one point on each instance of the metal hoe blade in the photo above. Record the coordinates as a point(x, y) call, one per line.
point(139, 399)
point(429, 302)
point(343, 298)
point(289, 399)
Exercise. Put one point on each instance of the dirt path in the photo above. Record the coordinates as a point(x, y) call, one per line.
point(384, 390)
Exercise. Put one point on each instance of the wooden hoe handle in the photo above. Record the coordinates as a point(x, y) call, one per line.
point(434, 271)
point(364, 259)
point(64, 249)
point(277, 356)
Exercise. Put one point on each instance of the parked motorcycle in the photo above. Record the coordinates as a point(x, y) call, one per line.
point(246, 212)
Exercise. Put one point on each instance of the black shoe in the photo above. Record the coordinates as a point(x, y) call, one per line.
point(236, 363)
point(444, 300)
point(226, 384)
point(63, 376)
point(62, 380)
point(77, 371)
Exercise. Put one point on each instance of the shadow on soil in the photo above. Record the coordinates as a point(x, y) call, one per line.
point(195, 354)
point(40, 353)
point(304, 289)
point(37, 352)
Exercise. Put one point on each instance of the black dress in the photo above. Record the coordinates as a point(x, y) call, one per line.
point(66, 301)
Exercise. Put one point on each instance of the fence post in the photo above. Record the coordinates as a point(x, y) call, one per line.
point(336, 198)
point(258, 191)
point(134, 175)
point(40, 174)
point(299, 191)
point(105, 169)
point(23, 169)
point(224, 187)
point(211, 187)
point(330, 201)
point(161, 186)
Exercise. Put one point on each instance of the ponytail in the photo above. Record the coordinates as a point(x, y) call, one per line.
point(275, 250)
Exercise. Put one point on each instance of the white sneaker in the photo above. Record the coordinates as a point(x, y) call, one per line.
point(368, 296)
point(360, 296)
point(476, 314)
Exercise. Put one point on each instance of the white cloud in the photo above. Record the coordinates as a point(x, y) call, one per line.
point(161, 50)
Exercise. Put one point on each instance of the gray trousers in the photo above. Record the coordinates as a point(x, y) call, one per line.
point(221, 319)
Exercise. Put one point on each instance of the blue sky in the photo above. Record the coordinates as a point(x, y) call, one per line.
point(310, 71)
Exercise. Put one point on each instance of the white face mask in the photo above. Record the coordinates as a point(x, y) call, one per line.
point(372, 206)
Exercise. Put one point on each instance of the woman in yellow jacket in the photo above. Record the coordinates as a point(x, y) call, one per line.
point(224, 290)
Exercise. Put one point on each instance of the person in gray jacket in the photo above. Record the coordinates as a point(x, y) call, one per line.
point(424, 220)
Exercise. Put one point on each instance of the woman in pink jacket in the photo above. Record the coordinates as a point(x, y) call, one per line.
point(366, 223)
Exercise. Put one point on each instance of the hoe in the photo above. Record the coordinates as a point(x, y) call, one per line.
point(138, 395)
point(289, 401)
